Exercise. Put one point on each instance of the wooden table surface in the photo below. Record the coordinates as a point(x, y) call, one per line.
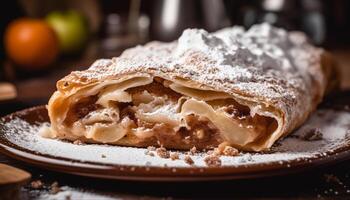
point(330, 182)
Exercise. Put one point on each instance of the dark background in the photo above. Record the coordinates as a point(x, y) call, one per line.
point(326, 22)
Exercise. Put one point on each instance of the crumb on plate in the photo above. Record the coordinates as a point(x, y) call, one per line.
point(212, 160)
point(188, 160)
point(162, 152)
point(55, 188)
point(174, 156)
point(37, 184)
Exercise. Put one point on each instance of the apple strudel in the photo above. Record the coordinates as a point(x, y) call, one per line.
point(247, 88)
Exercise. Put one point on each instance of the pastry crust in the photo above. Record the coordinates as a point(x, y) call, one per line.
point(278, 98)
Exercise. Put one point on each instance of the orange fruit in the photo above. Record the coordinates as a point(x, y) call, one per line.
point(31, 43)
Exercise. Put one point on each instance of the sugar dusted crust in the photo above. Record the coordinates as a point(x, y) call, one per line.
point(275, 73)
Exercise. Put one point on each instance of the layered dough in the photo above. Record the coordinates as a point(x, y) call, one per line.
point(146, 111)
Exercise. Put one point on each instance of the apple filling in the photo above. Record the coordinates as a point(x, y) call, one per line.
point(168, 113)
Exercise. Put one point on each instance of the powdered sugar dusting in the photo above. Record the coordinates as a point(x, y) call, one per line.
point(334, 126)
point(262, 54)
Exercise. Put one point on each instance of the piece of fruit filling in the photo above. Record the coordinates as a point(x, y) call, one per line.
point(154, 112)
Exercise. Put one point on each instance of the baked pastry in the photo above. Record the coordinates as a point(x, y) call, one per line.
point(244, 88)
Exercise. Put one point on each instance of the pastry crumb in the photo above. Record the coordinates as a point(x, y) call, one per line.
point(230, 151)
point(210, 152)
point(78, 142)
point(103, 156)
point(55, 188)
point(220, 149)
point(188, 160)
point(174, 156)
point(224, 149)
point(162, 152)
point(193, 150)
point(212, 160)
point(37, 184)
point(151, 148)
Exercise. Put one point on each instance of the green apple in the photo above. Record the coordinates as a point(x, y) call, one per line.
point(71, 28)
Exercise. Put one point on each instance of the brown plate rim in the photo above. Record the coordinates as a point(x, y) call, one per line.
point(155, 173)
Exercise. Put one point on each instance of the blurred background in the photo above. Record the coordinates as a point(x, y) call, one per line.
point(42, 41)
